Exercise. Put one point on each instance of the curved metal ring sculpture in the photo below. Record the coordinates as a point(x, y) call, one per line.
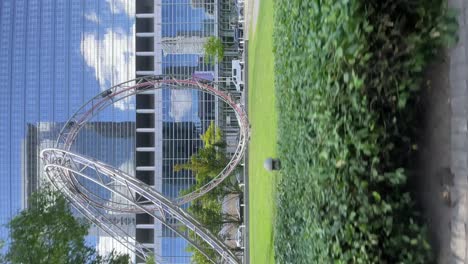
point(67, 171)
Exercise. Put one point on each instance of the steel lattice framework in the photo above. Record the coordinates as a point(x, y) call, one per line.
point(73, 173)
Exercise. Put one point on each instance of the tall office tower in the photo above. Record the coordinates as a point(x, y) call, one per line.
point(54, 56)
point(169, 40)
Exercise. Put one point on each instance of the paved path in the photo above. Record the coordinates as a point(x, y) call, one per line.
point(251, 11)
point(458, 79)
point(246, 259)
point(250, 21)
point(441, 170)
point(432, 177)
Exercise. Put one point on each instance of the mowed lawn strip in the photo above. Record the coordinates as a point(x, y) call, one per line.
point(262, 114)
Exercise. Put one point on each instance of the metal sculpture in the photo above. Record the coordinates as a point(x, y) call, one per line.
point(72, 173)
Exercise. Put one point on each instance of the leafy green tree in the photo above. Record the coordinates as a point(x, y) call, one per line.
point(2, 257)
point(208, 210)
point(47, 232)
point(214, 49)
point(213, 137)
point(198, 257)
point(206, 164)
point(112, 258)
point(209, 160)
point(150, 259)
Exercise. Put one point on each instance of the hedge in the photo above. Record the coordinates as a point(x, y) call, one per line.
point(348, 76)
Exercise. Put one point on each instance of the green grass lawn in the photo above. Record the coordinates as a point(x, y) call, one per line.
point(262, 114)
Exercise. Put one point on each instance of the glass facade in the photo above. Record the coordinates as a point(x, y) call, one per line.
point(57, 54)
point(110, 142)
point(54, 56)
point(172, 32)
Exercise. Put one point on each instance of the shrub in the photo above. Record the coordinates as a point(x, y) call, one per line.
point(347, 76)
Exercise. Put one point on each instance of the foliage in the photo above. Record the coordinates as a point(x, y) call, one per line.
point(47, 232)
point(208, 213)
point(2, 257)
point(206, 164)
point(213, 137)
point(198, 257)
point(112, 258)
point(151, 259)
point(210, 159)
point(214, 49)
point(347, 76)
point(207, 210)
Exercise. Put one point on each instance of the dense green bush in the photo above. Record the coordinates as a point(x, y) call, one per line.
point(347, 76)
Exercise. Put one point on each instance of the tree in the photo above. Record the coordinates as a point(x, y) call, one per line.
point(206, 164)
point(47, 232)
point(2, 257)
point(214, 49)
point(150, 259)
point(198, 257)
point(112, 258)
point(209, 160)
point(213, 137)
point(208, 210)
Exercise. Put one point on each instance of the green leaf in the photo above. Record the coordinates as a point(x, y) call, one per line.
point(47, 232)
point(339, 52)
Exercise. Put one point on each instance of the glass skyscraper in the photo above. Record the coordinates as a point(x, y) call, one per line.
point(57, 54)
point(54, 56)
point(169, 40)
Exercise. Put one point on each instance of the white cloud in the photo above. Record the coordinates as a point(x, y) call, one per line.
point(112, 58)
point(46, 126)
point(92, 16)
point(181, 105)
point(107, 244)
point(46, 143)
point(128, 166)
point(122, 6)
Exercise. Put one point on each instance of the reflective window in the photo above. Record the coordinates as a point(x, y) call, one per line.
point(54, 56)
